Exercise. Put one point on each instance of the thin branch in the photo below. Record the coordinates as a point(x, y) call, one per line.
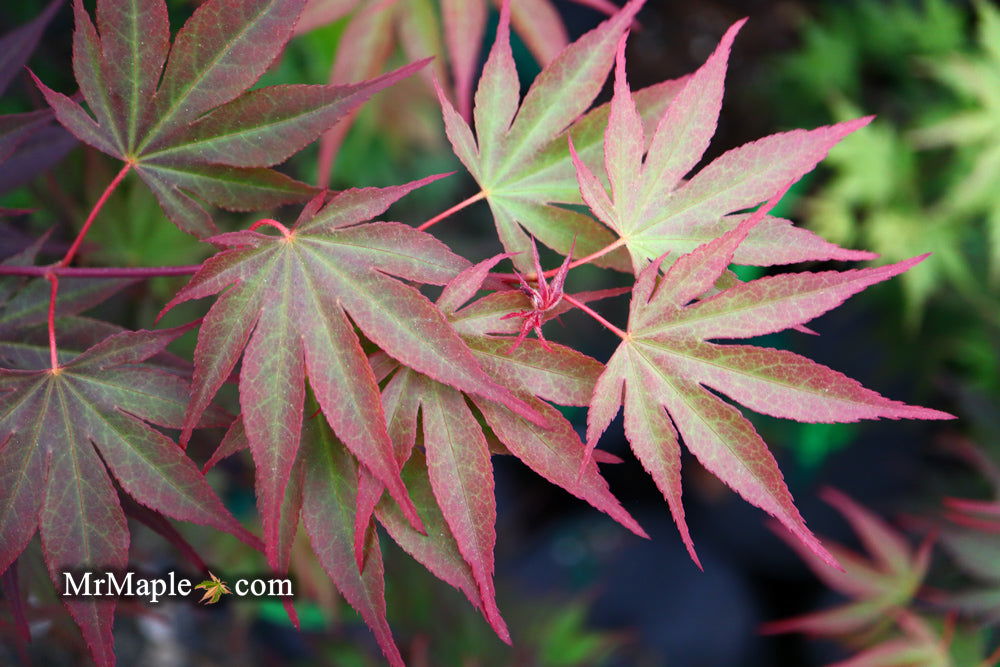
point(454, 209)
point(53, 293)
point(93, 214)
point(271, 223)
point(99, 272)
point(590, 311)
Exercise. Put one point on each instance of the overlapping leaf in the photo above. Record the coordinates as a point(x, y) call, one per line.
point(664, 368)
point(458, 467)
point(286, 311)
point(653, 210)
point(61, 432)
point(196, 132)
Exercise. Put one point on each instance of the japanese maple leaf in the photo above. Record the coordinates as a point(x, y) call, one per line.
point(62, 431)
point(664, 367)
point(653, 210)
point(453, 494)
point(286, 310)
point(877, 586)
point(196, 131)
point(520, 158)
point(457, 451)
point(519, 153)
point(214, 589)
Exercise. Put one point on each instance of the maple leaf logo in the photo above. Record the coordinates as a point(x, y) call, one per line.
point(215, 588)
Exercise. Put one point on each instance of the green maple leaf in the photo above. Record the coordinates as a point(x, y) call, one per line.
point(214, 588)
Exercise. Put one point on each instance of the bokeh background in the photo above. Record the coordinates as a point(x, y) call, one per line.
point(575, 588)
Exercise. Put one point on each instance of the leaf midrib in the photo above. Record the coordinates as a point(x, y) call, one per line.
point(697, 413)
point(29, 448)
point(243, 130)
point(747, 374)
point(338, 243)
point(73, 453)
point(454, 463)
point(682, 320)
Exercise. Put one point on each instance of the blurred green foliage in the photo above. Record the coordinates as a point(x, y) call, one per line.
point(922, 178)
point(923, 175)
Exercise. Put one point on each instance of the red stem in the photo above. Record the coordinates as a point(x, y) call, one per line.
point(53, 350)
point(51, 273)
point(99, 272)
point(272, 223)
point(511, 277)
point(590, 311)
point(93, 214)
point(454, 209)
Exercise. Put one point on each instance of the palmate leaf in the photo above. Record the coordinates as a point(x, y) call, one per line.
point(458, 468)
point(197, 132)
point(654, 211)
point(63, 431)
point(286, 311)
point(519, 153)
point(664, 368)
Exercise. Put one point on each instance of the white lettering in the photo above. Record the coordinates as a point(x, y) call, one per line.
point(70, 586)
point(124, 587)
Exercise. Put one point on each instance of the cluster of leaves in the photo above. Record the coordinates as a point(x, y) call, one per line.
point(360, 400)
